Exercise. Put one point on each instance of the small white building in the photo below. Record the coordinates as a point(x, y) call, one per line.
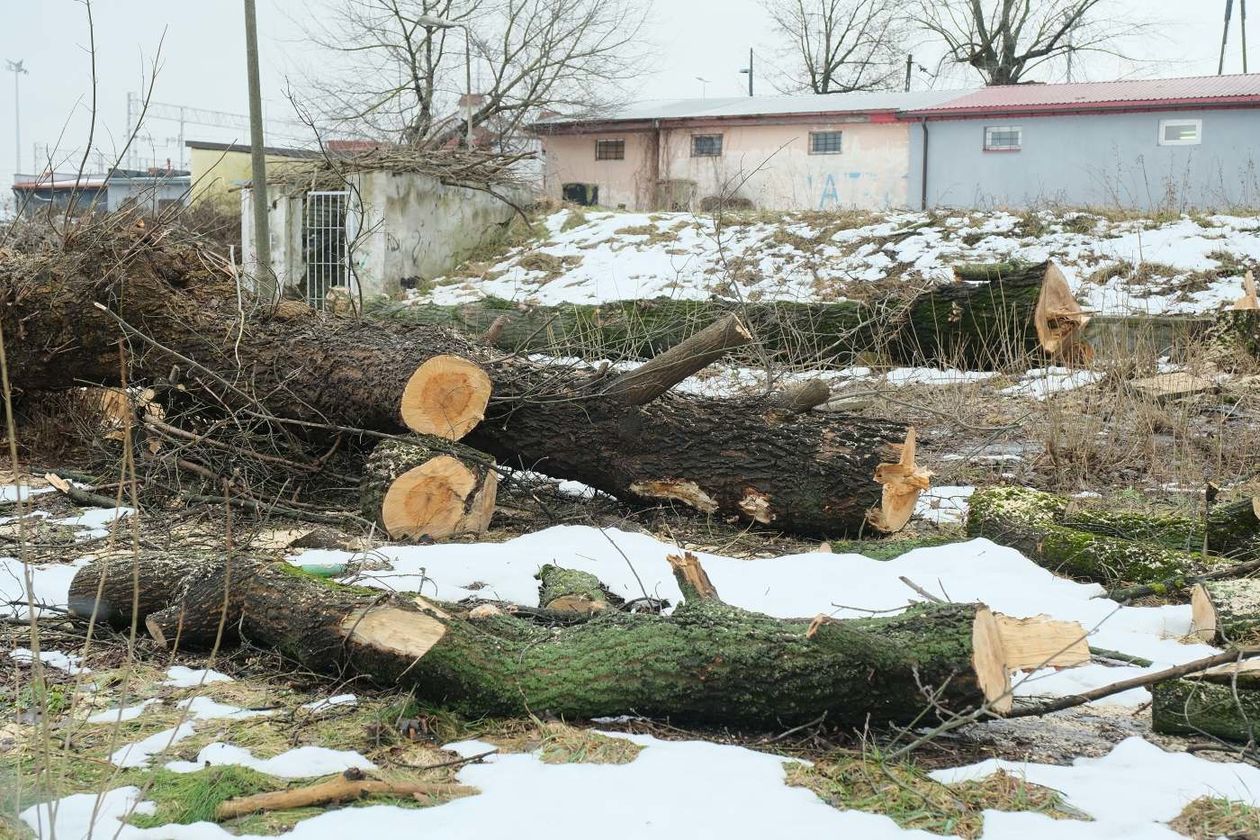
point(373, 229)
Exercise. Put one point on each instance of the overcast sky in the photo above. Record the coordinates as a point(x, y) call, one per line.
point(203, 60)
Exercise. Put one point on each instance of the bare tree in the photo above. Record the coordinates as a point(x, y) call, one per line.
point(404, 73)
point(1004, 40)
point(840, 45)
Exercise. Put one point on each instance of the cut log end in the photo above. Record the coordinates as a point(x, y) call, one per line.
point(1202, 615)
point(439, 498)
point(903, 482)
point(446, 396)
point(1249, 300)
point(1059, 319)
point(988, 660)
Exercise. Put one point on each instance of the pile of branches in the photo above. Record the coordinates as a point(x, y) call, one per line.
point(469, 168)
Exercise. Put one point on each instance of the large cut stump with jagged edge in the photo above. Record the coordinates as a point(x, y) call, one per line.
point(707, 663)
point(446, 397)
point(428, 487)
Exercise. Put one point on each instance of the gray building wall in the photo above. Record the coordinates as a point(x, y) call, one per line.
point(1090, 160)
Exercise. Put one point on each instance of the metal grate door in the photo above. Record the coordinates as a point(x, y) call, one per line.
point(324, 243)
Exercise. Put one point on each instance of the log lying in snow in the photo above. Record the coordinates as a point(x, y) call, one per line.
point(707, 663)
point(737, 459)
point(1225, 611)
point(1032, 521)
point(993, 315)
point(1223, 703)
point(413, 489)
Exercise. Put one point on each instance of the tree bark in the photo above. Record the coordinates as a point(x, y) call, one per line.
point(707, 663)
point(66, 310)
point(647, 382)
point(988, 318)
point(1226, 611)
point(1218, 705)
point(1033, 522)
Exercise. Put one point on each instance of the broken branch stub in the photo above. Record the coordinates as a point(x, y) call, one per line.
point(902, 482)
point(662, 372)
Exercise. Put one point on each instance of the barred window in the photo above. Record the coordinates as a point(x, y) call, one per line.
point(825, 142)
point(1004, 138)
point(610, 150)
point(706, 145)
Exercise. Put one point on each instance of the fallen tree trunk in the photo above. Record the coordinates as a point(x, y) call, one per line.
point(737, 459)
point(993, 315)
point(1032, 521)
point(1222, 703)
point(1231, 529)
point(707, 663)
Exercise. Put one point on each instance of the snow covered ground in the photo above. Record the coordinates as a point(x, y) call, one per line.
point(1185, 265)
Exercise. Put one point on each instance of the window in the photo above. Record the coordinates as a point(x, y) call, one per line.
point(706, 145)
point(825, 142)
point(1003, 138)
point(610, 150)
point(1180, 132)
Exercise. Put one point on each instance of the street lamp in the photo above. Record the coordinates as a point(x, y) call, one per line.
point(16, 68)
point(431, 22)
point(704, 87)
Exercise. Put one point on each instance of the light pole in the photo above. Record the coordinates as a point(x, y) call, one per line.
point(431, 22)
point(16, 68)
point(704, 87)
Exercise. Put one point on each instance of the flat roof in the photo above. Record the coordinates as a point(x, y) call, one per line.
point(278, 151)
point(759, 106)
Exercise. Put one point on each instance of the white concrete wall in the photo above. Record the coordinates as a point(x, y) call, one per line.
point(770, 165)
point(402, 226)
point(414, 226)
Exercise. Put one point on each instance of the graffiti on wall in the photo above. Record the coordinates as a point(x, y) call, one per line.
point(827, 188)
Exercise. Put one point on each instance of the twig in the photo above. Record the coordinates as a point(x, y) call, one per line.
point(919, 589)
point(1194, 667)
point(1176, 584)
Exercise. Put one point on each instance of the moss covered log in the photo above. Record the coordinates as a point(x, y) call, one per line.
point(985, 320)
point(1226, 612)
point(1216, 705)
point(1033, 522)
point(707, 663)
point(569, 590)
point(69, 304)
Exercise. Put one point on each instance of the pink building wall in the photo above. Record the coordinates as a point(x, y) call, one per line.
point(768, 164)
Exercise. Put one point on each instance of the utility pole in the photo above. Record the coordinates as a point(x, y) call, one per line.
point(16, 68)
point(909, 68)
point(1229, 8)
point(264, 279)
point(1242, 22)
point(749, 71)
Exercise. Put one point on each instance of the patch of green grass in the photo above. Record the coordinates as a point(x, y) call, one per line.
point(575, 219)
point(1210, 817)
point(914, 800)
point(192, 797)
point(888, 549)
